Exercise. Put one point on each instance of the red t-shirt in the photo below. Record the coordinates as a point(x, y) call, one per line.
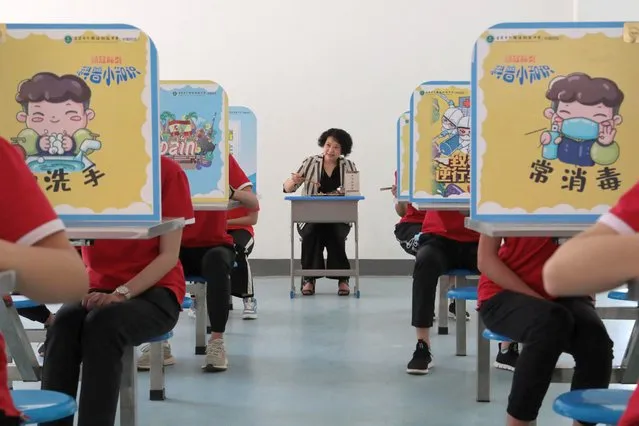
point(526, 258)
point(112, 263)
point(25, 218)
point(624, 218)
point(448, 224)
point(210, 226)
point(237, 213)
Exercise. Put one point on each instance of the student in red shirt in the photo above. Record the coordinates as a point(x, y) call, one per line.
point(444, 244)
point(600, 259)
point(410, 225)
point(208, 251)
point(512, 302)
point(137, 289)
point(240, 223)
point(31, 234)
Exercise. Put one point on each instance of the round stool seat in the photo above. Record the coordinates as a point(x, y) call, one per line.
point(187, 302)
point(21, 302)
point(489, 335)
point(161, 338)
point(195, 279)
point(43, 406)
point(593, 405)
point(618, 295)
point(461, 272)
point(463, 293)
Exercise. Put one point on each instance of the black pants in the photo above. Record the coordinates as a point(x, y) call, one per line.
point(241, 277)
point(407, 236)
point(96, 340)
point(37, 313)
point(215, 265)
point(436, 255)
point(9, 421)
point(548, 328)
point(319, 236)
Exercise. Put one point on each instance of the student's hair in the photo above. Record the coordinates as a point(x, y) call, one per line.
point(50, 87)
point(586, 90)
point(341, 136)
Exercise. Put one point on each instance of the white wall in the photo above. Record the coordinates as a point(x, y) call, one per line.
point(306, 65)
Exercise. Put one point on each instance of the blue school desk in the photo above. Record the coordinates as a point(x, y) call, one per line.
point(325, 209)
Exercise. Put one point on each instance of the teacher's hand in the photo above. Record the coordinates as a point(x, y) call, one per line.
point(297, 178)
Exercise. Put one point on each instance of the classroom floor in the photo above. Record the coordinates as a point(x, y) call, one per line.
point(329, 360)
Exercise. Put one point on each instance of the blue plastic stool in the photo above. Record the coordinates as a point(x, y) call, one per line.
point(489, 335)
point(43, 406)
point(21, 302)
point(618, 295)
point(461, 272)
point(593, 405)
point(463, 293)
point(161, 338)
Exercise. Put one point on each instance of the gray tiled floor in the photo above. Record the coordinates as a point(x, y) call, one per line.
point(329, 360)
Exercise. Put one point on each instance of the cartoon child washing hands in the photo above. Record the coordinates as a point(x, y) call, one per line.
point(56, 112)
point(584, 114)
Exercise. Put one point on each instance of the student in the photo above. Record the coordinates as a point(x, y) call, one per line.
point(324, 174)
point(445, 244)
point(208, 251)
point(410, 225)
point(599, 259)
point(137, 289)
point(240, 224)
point(512, 302)
point(31, 234)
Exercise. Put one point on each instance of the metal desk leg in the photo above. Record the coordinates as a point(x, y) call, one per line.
point(460, 328)
point(356, 225)
point(483, 364)
point(630, 362)
point(292, 272)
point(156, 373)
point(128, 389)
point(201, 316)
point(444, 283)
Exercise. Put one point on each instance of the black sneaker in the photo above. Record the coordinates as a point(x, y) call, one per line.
point(507, 359)
point(422, 359)
point(452, 314)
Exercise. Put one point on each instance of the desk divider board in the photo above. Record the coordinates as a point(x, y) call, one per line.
point(80, 104)
point(243, 140)
point(553, 136)
point(403, 157)
point(194, 120)
point(440, 142)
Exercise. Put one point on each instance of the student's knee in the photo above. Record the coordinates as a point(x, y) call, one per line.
point(100, 324)
point(595, 344)
point(428, 260)
point(216, 260)
point(68, 318)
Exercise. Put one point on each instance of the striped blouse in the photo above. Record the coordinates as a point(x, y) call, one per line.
point(311, 169)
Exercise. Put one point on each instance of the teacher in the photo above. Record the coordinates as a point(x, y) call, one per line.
point(324, 174)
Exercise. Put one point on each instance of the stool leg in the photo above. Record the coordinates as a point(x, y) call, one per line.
point(356, 226)
point(483, 364)
point(200, 319)
point(444, 281)
point(292, 265)
point(128, 389)
point(208, 323)
point(156, 373)
point(460, 330)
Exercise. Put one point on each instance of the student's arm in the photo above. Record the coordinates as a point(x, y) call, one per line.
point(247, 198)
point(33, 242)
point(400, 208)
point(491, 266)
point(601, 258)
point(166, 260)
point(249, 220)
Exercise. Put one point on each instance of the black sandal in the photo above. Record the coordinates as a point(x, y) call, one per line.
point(310, 290)
point(343, 291)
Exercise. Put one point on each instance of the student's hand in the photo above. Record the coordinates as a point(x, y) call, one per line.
point(297, 178)
point(89, 301)
point(394, 191)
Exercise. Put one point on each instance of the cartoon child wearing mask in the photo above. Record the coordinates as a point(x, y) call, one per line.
point(584, 114)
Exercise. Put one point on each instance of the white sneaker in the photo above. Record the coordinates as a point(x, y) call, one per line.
point(250, 308)
point(215, 356)
point(144, 361)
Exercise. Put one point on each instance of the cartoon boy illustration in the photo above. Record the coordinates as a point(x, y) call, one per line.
point(463, 128)
point(584, 113)
point(56, 111)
